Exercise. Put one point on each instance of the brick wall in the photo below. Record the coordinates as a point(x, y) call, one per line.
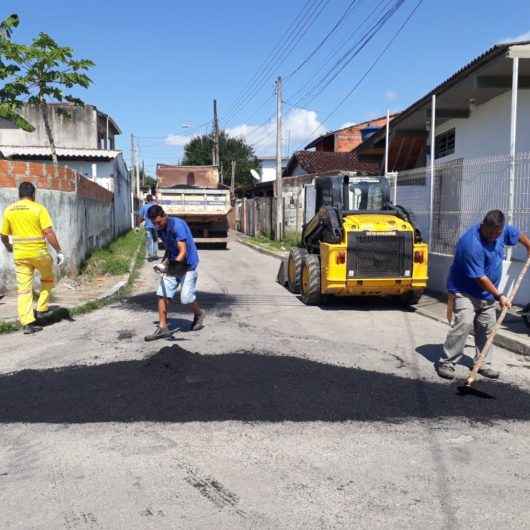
point(346, 140)
point(84, 214)
point(50, 177)
point(90, 190)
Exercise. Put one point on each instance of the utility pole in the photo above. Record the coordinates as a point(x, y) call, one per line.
point(131, 181)
point(215, 148)
point(137, 168)
point(278, 189)
point(233, 179)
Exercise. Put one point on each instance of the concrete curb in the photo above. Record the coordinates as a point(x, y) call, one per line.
point(112, 291)
point(259, 249)
point(115, 289)
point(504, 338)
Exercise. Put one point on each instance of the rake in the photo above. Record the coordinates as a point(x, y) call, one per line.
point(468, 389)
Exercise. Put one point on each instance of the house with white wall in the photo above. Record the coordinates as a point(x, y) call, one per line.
point(480, 140)
point(85, 141)
point(473, 110)
point(267, 167)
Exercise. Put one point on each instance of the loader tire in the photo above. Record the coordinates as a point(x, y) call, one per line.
point(294, 269)
point(311, 280)
point(410, 298)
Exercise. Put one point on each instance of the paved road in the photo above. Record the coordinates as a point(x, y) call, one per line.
point(276, 415)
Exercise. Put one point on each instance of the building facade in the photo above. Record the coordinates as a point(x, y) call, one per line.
point(85, 142)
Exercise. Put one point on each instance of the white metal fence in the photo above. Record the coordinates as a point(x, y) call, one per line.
point(464, 190)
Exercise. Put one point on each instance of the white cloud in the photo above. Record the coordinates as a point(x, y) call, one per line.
point(347, 124)
point(391, 95)
point(177, 139)
point(520, 38)
point(300, 126)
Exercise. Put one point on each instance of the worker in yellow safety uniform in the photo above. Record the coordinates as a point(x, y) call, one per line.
point(29, 225)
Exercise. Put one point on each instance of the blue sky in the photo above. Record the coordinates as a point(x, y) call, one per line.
point(160, 64)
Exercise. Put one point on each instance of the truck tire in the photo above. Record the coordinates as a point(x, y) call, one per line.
point(410, 298)
point(294, 268)
point(310, 286)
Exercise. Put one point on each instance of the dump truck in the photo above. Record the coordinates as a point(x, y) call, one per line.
point(194, 194)
point(355, 242)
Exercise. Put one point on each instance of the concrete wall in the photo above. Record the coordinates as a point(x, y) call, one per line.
point(416, 199)
point(487, 131)
point(114, 177)
point(85, 215)
point(78, 130)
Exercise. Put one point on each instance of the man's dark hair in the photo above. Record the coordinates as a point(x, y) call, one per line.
point(494, 219)
point(26, 190)
point(155, 211)
point(148, 198)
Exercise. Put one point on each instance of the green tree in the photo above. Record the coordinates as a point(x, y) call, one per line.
point(40, 73)
point(198, 151)
point(10, 96)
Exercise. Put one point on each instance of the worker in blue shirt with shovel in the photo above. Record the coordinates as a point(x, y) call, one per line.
point(178, 269)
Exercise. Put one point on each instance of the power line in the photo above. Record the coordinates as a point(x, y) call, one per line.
point(332, 55)
point(299, 26)
point(336, 26)
point(281, 55)
point(372, 66)
point(269, 57)
point(325, 81)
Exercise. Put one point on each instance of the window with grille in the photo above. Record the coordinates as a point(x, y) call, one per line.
point(445, 144)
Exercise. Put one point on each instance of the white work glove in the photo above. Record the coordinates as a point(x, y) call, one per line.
point(59, 258)
point(160, 267)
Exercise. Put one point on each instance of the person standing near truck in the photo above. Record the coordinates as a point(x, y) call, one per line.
point(178, 268)
point(151, 242)
point(29, 224)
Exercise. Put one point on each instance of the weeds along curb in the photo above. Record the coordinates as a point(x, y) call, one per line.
point(259, 249)
point(120, 290)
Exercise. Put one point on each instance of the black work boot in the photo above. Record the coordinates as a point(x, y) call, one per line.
point(488, 371)
point(29, 329)
point(41, 316)
point(159, 333)
point(198, 321)
point(445, 370)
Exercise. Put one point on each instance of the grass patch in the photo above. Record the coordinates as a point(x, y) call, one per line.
point(290, 241)
point(138, 251)
point(115, 258)
point(8, 327)
point(92, 305)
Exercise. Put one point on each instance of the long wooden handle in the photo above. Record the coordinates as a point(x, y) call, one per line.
point(489, 342)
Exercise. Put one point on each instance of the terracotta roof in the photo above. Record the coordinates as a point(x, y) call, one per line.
point(322, 161)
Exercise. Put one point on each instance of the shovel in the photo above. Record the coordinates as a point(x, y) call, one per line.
point(468, 389)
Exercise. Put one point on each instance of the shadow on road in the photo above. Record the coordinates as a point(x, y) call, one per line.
point(148, 301)
point(175, 385)
point(433, 352)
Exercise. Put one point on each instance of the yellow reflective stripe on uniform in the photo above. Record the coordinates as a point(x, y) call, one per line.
point(27, 239)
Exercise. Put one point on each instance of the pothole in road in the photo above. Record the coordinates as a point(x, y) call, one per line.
point(126, 334)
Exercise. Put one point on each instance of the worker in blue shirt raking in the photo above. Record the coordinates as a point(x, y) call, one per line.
point(473, 287)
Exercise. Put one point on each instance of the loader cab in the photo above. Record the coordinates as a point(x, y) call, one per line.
point(348, 192)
